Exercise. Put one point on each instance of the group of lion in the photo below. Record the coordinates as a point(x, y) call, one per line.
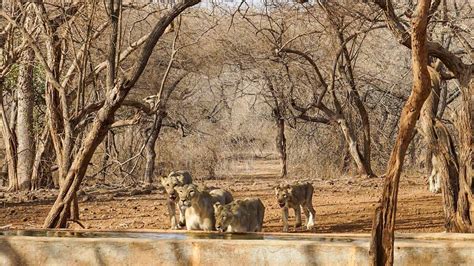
point(215, 209)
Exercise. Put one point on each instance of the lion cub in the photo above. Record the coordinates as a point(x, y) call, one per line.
point(198, 206)
point(296, 196)
point(170, 183)
point(240, 216)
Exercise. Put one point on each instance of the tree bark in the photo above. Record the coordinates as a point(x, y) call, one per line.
point(10, 143)
point(150, 154)
point(278, 114)
point(163, 97)
point(465, 204)
point(55, 106)
point(381, 246)
point(428, 114)
point(353, 148)
point(281, 146)
point(107, 150)
point(41, 168)
point(443, 156)
point(24, 128)
point(445, 162)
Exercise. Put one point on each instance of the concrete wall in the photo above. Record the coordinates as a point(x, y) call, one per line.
point(437, 249)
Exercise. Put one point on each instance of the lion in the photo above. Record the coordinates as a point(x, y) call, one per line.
point(217, 194)
point(198, 207)
point(221, 195)
point(170, 183)
point(296, 196)
point(240, 216)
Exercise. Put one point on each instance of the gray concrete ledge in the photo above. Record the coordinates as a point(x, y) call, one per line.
point(178, 248)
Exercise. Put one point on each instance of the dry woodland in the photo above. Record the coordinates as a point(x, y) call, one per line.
point(372, 102)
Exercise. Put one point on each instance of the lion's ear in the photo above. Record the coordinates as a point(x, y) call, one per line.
point(276, 189)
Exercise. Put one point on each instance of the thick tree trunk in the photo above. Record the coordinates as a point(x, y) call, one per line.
point(74, 208)
point(281, 146)
point(428, 114)
point(25, 134)
point(444, 175)
point(427, 161)
point(455, 177)
point(381, 246)
point(346, 160)
point(465, 204)
point(445, 162)
point(150, 154)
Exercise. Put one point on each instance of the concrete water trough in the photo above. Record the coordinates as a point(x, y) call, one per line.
point(198, 248)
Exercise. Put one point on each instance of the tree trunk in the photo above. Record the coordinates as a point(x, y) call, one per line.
point(381, 246)
point(281, 146)
point(107, 151)
point(150, 154)
point(25, 134)
point(10, 143)
point(353, 148)
point(74, 208)
point(347, 72)
point(346, 160)
point(428, 114)
point(40, 167)
point(427, 161)
point(465, 204)
point(54, 105)
point(445, 162)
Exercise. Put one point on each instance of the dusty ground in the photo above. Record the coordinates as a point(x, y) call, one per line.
point(343, 205)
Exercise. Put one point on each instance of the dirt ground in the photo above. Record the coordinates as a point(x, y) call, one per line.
point(343, 205)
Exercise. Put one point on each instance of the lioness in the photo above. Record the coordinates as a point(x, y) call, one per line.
point(170, 183)
point(240, 216)
point(221, 195)
point(217, 194)
point(296, 196)
point(198, 205)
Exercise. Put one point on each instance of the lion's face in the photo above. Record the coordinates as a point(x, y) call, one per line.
point(283, 194)
point(224, 217)
point(170, 183)
point(186, 193)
